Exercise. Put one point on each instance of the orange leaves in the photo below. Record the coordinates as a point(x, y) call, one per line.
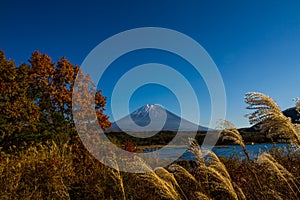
point(41, 94)
point(17, 109)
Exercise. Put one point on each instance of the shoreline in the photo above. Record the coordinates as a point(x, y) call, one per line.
point(220, 146)
point(141, 148)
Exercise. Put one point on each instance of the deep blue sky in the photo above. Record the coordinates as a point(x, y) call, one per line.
point(255, 44)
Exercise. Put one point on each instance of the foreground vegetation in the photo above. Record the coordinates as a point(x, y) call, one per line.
point(41, 157)
point(68, 171)
point(47, 171)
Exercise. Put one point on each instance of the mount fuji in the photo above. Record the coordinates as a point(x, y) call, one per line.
point(150, 118)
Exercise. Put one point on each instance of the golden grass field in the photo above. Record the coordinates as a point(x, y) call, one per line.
point(67, 171)
point(48, 171)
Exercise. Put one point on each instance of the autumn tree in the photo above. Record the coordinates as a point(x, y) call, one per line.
point(39, 95)
point(83, 95)
point(41, 77)
point(18, 112)
point(52, 85)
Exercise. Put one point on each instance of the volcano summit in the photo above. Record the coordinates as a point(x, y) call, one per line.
point(150, 118)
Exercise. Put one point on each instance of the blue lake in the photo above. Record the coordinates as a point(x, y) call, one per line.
point(226, 151)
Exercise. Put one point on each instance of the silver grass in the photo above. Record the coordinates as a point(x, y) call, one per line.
point(229, 132)
point(215, 171)
point(190, 186)
point(268, 113)
point(278, 170)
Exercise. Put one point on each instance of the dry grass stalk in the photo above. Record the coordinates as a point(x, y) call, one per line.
point(297, 100)
point(230, 133)
point(215, 162)
point(201, 196)
point(239, 191)
point(168, 177)
point(153, 184)
point(194, 149)
point(116, 177)
point(220, 182)
point(278, 170)
point(268, 113)
point(189, 185)
point(39, 172)
point(273, 194)
point(161, 187)
point(215, 172)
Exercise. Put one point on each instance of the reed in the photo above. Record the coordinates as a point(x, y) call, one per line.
point(213, 172)
point(230, 133)
point(277, 170)
point(270, 116)
point(48, 171)
point(189, 185)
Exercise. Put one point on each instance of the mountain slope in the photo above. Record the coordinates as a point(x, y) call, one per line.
point(293, 114)
point(141, 117)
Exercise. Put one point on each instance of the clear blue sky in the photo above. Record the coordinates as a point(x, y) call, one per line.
point(255, 44)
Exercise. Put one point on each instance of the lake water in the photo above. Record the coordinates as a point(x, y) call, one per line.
point(226, 150)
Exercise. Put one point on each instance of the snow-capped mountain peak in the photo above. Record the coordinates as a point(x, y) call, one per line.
point(147, 110)
point(153, 117)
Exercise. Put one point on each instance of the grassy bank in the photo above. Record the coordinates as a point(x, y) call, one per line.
point(49, 171)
